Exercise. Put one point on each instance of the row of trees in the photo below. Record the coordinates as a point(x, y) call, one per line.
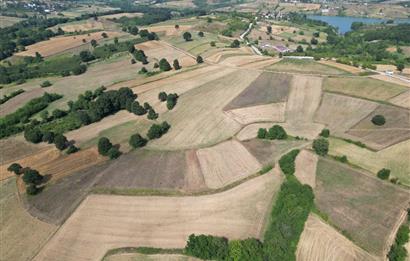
point(106, 148)
point(276, 132)
point(171, 99)
point(11, 95)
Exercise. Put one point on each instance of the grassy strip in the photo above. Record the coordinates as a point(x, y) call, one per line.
point(142, 250)
point(11, 95)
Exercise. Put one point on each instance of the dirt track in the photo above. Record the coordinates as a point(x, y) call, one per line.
point(104, 222)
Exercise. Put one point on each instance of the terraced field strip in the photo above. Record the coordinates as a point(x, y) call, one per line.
point(104, 222)
point(402, 100)
point(169, 30)
point(305, 167)
point(319, 241)
point(270, 112)
point(84, 25)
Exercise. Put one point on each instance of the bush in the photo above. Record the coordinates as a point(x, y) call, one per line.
point(383, 174)
point(162, 96)
point(48, 136)
point(45, 84)
point(287, 162)
point(187, 36)
point(152, 115)
point(276, 133)
point(325, 133)
point(60, 141)
point(16, 168)
point(164, 65)
point(156, 130)
point(299, 49)
point(199, 59)
point(32, 189)
point(33, 135)
point(378, 120)
point(80, 69)
point(137, 141)
point(201, 34)
point(243, 250)
point(342, 159)
point(262, 132)
point(176, 65)
point(72, 149)
point(104, 145)
point(172, 99)
point(32, 176)
point(143, 70)
point(321, 146)
point(212, 43)
point(207, 247)
point(235, 44)
point(113, 153)
point(397, 251)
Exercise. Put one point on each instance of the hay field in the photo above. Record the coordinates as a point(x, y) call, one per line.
point(251, 131)
point(241, 60)
point(363, 87)
point(156, 257)
point(319, 241)
point(21, 234)
point(396, 157)
point(267, 88)
point(396, 128)
point(226, 163)
point(104, 222)
point(59, 44)
point(169, 30)
point(197, 122)
point(341, 66)
point(12, 104)
point(270, 112)
point(158, 49)
point(339, 113)
point(389, 79)
point(305, 67)
point(6, 21)
point(402, 100)
point(83, 25)
point(364, 207)
point(305, 167)
point(117, 16)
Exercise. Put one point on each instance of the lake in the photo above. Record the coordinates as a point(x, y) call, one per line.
point(344, 22)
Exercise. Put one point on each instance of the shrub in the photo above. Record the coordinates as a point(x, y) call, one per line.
point(104, 35)
point(383, 174)
point(201, 34)
point(157, 130)
point(48, 136)
point(187, 36)
point(137, 141)
point(164, 65)
point(342, 158)
point(79, 69)
point(133, 61)
point(276, 133)
point(72, 149)
point(235, 44)
point(57, 113)
point(32, 176)
point(325, 133)
point(248, 249)
point(299, 49)
point(172, 99)
point(287, 162)
point(32, 189)
point(314, 41)
point(60, 141)
point(33, 135)
point(378, 120)
point(143, 70)
point(262, 132)
point(162, 96)
point(45, 84)
point(212, 43)
point(176, 65)
point(397, 251)
point(104, 145)
point(207, 247)
point(16, 168)
point(321, 146)
point(113, 153)
point(152, 115)
point(199, 59)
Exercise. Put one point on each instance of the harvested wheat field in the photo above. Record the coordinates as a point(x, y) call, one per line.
point(196, 122)
point(159, 49)
point(104, 222)
point(21, 234)
point(396, 158)
point(305, 67)
point(261, 113)
point(396, 128)
point(343, 67)
point(13, 104)
point(363, 87)
point(251, 131)
point(305, 167)
point(169, 30)
point(402, 100)
point(366, 208)
point(267, 88)
point(242, 60)
point(390, 79)
point(59, 44)
point(339, 113)
point(319, 241)
point(156, 257)
point(226, 163)
point(84, 25)
point(267, 152)
point(117, 16)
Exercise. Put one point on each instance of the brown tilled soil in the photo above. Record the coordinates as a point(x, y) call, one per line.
point(367, 209)
point(396, 128)
point(267, 88)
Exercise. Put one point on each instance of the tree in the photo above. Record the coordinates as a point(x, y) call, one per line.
point(313, 41)
point(176, 65)
point(383, 174)
point(72, 149)
point(93, 43)
point(201, 34)
point(115, 40)
point(33, 135)
point(299, 49)
point(152, 115)
point(321, 146)
point(235, 43)
point(277, 132)
point(162, 96)
point(378, 120)
point(187, 36)
point(86, 56)
point(44, 115)
point(164, 65)
point(172, 100)
point(57, 113)
point(104, 35)
point(104, 145)
point(209, 20)
point(212, 43)
point(134, 30)
point(199, 59)
point(48, 136)
point(45, 84)
point(60, 141)
point(400, 66)
point(32, 176)
point(325, 133)
point(207, 247)
point(177, 26)
point(137, 141)
point(262, 132)
point(113, 153)
point(143, 70)
point(269, 29)
point(16, 168)
point(32, 189)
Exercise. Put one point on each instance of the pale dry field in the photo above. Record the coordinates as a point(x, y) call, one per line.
point(198, 122)
point(226, 163)
point(117, 16)
point(242, 60)
point(85, 25)
point(305, 167)
point(21, 234)
point(274, 112)
point(396, 157)
point(339, 113)
point(319, 241)
point(341, 66)
point(6, 21)
point(169, 30)
point(217, 55)
point(390, 79)
point(104, 222)
point(159, 50)
point(59, 44)
point(402, 100)
point(251, 131)
point(156, 257)
point(390, 67)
